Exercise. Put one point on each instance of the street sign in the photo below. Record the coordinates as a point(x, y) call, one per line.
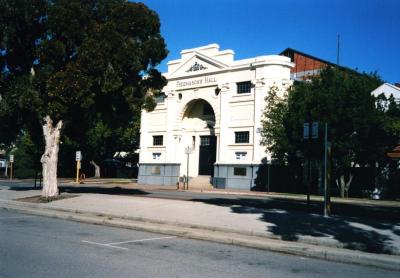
point(314, 130)
point(78, 156)
point(310, 128)
point(306, 130)
point(188, 150)
point(11, 158)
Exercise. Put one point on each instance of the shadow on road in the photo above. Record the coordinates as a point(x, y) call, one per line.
point(365, 228)
point(101, 190)
point(87, 189)
point(23, 188)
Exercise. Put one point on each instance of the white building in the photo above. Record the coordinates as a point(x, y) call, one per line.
point(213, 106)
point(387, 89)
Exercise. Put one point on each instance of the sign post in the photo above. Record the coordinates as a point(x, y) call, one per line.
point(310, 131)
point(78, 158)
point(188, 151)
point(11, 165)
point(327, 172)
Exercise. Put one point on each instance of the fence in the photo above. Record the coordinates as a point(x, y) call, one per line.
point(285, 179)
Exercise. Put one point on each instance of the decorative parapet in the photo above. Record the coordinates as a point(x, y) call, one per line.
point(196, 67)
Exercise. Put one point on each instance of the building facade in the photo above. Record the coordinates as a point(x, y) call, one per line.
point(388, 90)
point(305, 65)
point(208, 121)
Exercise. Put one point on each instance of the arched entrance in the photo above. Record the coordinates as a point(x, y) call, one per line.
point(199, 122)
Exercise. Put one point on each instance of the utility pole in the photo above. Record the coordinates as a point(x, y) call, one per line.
point(310, 132)
point(338, 49)
point(327, 179)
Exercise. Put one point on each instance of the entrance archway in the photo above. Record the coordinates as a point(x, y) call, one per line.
point(199, 121)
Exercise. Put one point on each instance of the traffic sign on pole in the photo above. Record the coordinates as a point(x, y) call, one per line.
point(306, 130)
point(188, 151)
point(11, 165)
point(78, 156)
point(314, 130)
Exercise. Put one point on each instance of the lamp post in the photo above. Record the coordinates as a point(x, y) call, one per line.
point(188, 151)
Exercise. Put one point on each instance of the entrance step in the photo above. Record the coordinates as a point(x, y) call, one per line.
point(200, 182)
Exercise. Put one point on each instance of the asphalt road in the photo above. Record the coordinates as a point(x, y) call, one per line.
point(33, 246)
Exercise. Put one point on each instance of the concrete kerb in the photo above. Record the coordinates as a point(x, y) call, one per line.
point(226, 236)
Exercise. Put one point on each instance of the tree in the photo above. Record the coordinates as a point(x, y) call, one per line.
point(74, 65)
point(27, 157)
point(340, 97)
point(274, 135)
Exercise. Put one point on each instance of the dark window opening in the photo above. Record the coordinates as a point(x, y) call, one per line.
point(205, 141)
point(243, 87)
point(242, 137)
point(157, 140)
point(239, 171)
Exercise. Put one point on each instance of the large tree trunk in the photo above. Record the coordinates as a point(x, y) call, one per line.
point(96, 169)
point(50, 157)
point(344, 186)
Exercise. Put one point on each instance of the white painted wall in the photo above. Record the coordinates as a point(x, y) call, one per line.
point(233, 112)
point(387, 89)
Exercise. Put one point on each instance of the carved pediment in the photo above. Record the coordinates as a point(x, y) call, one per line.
point(196, 66)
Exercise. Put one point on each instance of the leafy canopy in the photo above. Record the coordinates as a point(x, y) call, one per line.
point(360, 130)
point(89, 63)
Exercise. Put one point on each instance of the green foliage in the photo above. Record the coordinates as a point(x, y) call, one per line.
point(89, 63)
point(274, 135)
point(359, 130)
point(26, 157)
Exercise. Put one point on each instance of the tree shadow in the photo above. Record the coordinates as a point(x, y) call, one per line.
point(353, 226)
point(101, 190)
point(23, 188)
point(87, 189)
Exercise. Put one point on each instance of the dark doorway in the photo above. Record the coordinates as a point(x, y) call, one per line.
point(207, 155)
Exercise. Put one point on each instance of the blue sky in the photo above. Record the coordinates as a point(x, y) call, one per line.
point(369, 29)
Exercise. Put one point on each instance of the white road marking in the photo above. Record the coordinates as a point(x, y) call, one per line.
point(105, 245)
point(140, 240)
point(112, 244)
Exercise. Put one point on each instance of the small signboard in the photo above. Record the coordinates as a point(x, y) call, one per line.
point(188, 150)
point(11, 158)
point(306, 130)
point(78, 156)
point(314, 130)
point(310, 130)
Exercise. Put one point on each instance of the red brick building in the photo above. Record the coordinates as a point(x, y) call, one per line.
point(305, 65)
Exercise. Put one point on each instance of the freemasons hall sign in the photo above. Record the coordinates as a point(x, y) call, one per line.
point(196, 82)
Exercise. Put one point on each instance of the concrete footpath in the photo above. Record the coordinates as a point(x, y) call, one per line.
point(271, 227)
